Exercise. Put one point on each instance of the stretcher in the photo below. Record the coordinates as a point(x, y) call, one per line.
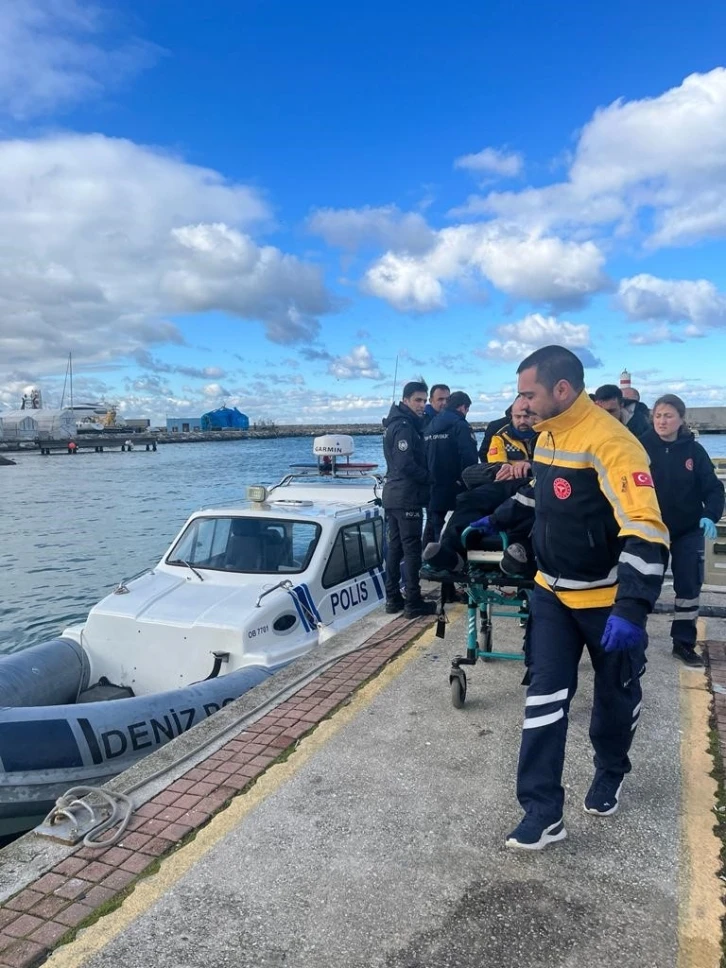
point(490, 594)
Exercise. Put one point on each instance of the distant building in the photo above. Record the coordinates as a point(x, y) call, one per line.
point(225, 418)
point(183, 425)
point(137, 424)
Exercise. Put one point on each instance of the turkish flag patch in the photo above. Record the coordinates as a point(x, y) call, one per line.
point(642, 479)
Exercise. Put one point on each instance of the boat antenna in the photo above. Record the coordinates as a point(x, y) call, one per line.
point(395, 379)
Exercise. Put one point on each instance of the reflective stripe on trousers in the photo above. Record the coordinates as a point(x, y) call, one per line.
point(556, 637)
point(687, 554)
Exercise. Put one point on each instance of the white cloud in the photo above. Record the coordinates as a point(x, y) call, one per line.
point(54, 53)
point(517, 340)
point(664, 156)
point(103, 238)
point(384, 227)
point(215, 391)
point(358, 364)
point(492, 161)
point(408, 284)
point(562, 274)
point(696, 302)
point(662, 333)
point(217, 267)
point(146, 361)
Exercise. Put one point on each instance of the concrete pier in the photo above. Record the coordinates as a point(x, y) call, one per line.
point(363, 827)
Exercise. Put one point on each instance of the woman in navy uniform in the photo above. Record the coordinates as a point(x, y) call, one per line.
point(691, 500)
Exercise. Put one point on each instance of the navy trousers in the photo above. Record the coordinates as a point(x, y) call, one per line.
point(687, 566)
point(404, 545)
point(434, 525)
point(556, 636)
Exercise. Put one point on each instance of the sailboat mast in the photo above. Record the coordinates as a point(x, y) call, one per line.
point(70, 370)
point(65, 381)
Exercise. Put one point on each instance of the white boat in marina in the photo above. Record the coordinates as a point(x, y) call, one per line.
point(242, 591)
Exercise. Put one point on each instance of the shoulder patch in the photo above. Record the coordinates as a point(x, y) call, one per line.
point(689, 464)
point(403, 445)
point(642, 479)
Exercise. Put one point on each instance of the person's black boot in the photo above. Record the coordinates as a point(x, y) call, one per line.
point(687, 655)
point(416, 609)
point(394, 605)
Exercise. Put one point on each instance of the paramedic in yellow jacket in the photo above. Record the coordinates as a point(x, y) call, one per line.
point(601, 548)
point(513, 445)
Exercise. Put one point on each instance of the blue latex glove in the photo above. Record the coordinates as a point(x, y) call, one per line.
point(485, 525)
point(620, 635)
point(708, 528)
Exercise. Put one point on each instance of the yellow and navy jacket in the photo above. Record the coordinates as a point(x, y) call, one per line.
point(506, 449)
point(597, 532)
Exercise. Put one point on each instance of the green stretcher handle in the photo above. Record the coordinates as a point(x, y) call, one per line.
point(502, 535)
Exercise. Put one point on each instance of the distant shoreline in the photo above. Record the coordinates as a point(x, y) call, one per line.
point(160, 437)
point(281, 431)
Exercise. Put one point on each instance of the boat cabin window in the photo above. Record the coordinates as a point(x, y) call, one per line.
point(252, 546)
point(357, 548)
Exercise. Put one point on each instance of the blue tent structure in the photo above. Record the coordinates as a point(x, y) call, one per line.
point(225, 418)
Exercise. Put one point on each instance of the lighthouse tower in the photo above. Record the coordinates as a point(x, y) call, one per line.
point(625, 380)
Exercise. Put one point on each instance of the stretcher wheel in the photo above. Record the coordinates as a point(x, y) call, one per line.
point(458, 691)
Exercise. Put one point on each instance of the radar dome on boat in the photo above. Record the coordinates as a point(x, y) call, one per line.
point(333, 445)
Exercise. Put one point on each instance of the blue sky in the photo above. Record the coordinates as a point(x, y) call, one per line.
point(266, 203)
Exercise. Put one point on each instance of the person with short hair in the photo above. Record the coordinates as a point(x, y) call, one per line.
point(513, 446)
point(450, 448)
point(611, 398)
point(636, 416)
point(405, 495)
point(438, 398)
point(600, 546)
point(493, 427)
point(691, 500)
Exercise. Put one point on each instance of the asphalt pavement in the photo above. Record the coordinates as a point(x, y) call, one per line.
point(383, 847)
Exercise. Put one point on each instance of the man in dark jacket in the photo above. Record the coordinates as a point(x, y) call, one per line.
point(450, 448)
point(609, 397)
point(438, 398)
point(636, 416)
point(405, 495)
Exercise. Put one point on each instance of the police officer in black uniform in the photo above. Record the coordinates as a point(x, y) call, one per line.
point(405, 495)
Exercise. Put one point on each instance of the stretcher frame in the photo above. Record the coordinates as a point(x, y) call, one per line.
point(491, 594)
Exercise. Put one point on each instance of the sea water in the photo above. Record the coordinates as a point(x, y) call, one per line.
point(72, 527)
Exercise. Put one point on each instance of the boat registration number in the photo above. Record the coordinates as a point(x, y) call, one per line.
point(262, 630)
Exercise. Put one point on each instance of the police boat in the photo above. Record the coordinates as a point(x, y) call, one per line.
point(242, 591)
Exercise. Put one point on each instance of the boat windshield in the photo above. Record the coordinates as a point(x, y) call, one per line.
point(252, 546)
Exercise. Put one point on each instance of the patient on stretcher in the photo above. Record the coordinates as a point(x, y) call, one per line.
point(449, 555)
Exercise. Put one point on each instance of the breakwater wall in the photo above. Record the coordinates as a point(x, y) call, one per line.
point(283, 430)
point(114, 441)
